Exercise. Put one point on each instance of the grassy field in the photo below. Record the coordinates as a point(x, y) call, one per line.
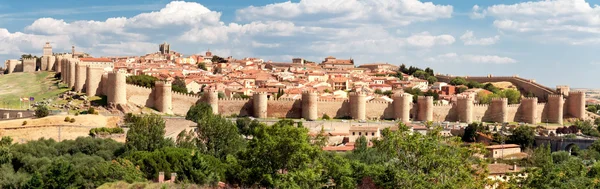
point(40, 85)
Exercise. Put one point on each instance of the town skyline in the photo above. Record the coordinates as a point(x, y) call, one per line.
point(483, 39)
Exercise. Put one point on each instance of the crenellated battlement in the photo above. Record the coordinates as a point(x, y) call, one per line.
point(576, 93)
point(443, 105)
point(162, 83)
point(234, 99)
point(309, 92)
point(138, 86)
point(332, 100)
point(357, 94)
point(378, 102)
point(514, 105)
point(29, 59)
point(425, 98)
point(481, 105)
point(283, 99)
point(185, 94)
point(555, 96)
point(499, 99)
point(529, 98)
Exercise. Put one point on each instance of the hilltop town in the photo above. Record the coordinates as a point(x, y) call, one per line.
point(339, 99)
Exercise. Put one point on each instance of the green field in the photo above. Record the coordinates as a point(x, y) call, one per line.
point(40, 85)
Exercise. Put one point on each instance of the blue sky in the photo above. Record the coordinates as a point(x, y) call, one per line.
point(554, 42)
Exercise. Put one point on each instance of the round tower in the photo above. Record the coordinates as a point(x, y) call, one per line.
point(465, 108)
point(163, 96)
point(71, 79)
point(358, 105)
point(555, 109)
point(402, 106)
point(116, 89)
point(500, 110)
point(80, 76)
point(58, 67)
point(93, 79)
point(576, 104)
point(425, 110)
point(212, 98)
point(529, 110)
point(104, 84)
point(64, 72)
point(259, 101)
point(309, 105)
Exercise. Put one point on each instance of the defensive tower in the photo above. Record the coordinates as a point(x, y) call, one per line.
point(117, 88)
point(29, 64)
point(555, 109)
point(499, 110)
point(163, 96)
point(401, 104)
point(80, 76)
point(465, 108)
point(529, 110)
point(358, 105)
point(211, 97)
point(425, 110)
point(563, 89)
point(309, 105)
point(576, 104)
point(71, 69)
point(259, 101)
point(93, 79)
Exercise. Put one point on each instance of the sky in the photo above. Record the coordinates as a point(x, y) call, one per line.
point(554, 42)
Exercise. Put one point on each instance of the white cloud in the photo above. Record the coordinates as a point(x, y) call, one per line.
point(571, 19)
point(177, 13)
point(471, 58)
point(402, 12)
point(427, 40)
point(469, 39)
point(19, 43)
point(477, 13)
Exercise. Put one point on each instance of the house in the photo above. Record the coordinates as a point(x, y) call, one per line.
point(192, 86)
point(448, 90)
point(368, 132)
point(379, 67)
point(438, 85)
point(316, 76)
point(339, 83)
point(332, 62)
point(501, 151)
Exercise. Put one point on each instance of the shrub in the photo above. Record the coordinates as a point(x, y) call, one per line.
point(91, 110)
point(67, 119)
point(72, 120)
point(76, 113)
point(24, 123)
point(42, 111)
point(105, 131)
point(326, 117)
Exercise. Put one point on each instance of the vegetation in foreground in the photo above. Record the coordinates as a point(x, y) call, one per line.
point(247, 153)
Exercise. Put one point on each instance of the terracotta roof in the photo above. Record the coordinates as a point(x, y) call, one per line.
point(501, 168)
point(360, 128)
point(504, 146)
point(95, 60)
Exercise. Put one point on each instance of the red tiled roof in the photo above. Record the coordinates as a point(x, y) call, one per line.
point(95, 60)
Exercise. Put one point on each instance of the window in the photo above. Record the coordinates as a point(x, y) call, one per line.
point(373, 134)
point(353, 133)
point(495, 152)
point(359, 133)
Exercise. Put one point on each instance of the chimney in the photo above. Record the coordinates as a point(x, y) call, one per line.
point(173, 176)
point(161, 177)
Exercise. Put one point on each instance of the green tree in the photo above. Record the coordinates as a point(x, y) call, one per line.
point(513, 96)
point(42, 111)
point(378, 91)
point(146, 133)
point(198, 111)
point(471, 130)
point(202, 66)
point(217, 59)
point(432, 79)
point(458, 81)
point(219, 136)
point(61, 174)
point(36, 181)
point(593, 109)
point(523, 135)
point(461, 90)
point(280, 148)
point(141, 80)
point(178, 85)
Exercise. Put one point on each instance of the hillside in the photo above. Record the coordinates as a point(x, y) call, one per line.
point(40, 85)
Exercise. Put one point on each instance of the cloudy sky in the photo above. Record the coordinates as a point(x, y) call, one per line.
point(555, 42)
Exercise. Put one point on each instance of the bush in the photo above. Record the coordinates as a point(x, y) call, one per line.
point(91, 110)
point(106, 131)
point(326, 117)
point(24, 123)
point(67, 119)
point(76, 113)
point(72, 120)
point(42, 111)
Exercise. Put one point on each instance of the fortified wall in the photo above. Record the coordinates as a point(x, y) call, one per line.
point(92, 80)
point(540, 91)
